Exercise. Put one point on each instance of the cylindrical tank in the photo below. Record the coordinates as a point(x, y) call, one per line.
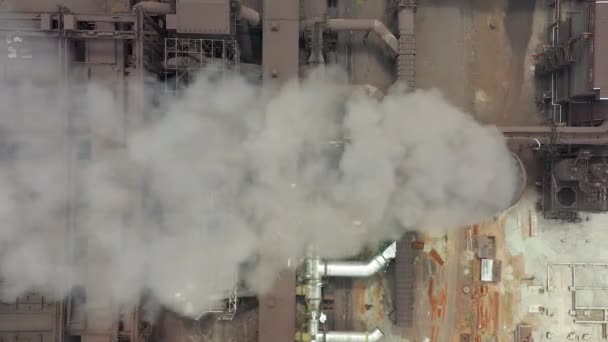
point(522, 180)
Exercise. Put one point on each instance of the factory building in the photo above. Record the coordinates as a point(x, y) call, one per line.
point(119, 43)
point(572, 62)
point(572, 70)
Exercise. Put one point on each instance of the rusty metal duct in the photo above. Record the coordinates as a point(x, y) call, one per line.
point(369, 25)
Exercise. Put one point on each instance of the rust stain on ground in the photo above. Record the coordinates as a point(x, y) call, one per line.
point(378, 294)
point(436, 257)
point(484, 309)
point(437, 302)
point(359, 295)
point(441, 302)
point(431, 290)
point(434, 333)
point(496, 312)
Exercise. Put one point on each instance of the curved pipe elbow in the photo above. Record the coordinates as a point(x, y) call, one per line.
point(352, 269)
point(250, 15)
point(386, 35)
point(153, 7)
point(374, 25)
point(359, 269)
point(375, 335)
point(345, 336)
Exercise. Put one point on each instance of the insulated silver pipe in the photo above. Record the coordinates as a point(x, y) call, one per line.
point(314, 284)
point(360, 269)
point(373, 25)
point(315, 269)
point(347, 336)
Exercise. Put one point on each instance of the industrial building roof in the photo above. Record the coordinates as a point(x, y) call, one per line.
point(600, 34)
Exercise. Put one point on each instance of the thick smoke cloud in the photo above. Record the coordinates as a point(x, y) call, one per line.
point(230, 174)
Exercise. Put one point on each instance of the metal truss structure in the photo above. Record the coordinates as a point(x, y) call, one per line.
point(185, 57)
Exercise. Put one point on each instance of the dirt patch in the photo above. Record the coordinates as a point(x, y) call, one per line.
point(500, 64)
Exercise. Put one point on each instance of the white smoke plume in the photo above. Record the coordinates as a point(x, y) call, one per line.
point(229, 174)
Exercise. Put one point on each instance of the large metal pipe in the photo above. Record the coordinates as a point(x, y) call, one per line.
point(315, 12)
point(153, 7)
point(249, 18)
point(348, 336)
point(315, 269)
point(558, 135)
point(359, 269)
point(370, 25)
point(250, 15)
point(314, 283)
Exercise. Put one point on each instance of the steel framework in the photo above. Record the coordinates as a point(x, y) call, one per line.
point(185, 57)
point(225, 308)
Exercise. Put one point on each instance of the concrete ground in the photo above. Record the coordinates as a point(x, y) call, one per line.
point(525, 244)
point(558, 243)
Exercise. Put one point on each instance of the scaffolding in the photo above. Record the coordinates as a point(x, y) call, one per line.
point(224, 306)
point(185, 57)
